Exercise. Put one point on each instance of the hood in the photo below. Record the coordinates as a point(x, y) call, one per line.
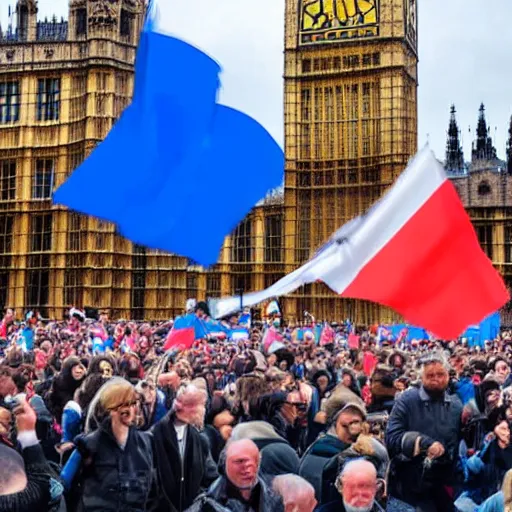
point(278, 458)
point(327, 446)
point(255, 430)
point(368, 448)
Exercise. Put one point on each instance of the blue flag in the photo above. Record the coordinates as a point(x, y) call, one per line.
point(178, 171)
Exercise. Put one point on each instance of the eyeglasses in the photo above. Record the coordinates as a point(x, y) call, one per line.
point(133, 403)
point(301, 406)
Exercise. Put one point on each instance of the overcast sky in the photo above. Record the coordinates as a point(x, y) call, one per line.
point(464, 58)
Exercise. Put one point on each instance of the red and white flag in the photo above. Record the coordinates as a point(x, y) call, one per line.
point(415, 251)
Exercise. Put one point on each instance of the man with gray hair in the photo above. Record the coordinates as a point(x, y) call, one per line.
point(422, 437)
point(182, 455)
point(297, 494)
point(357, 485)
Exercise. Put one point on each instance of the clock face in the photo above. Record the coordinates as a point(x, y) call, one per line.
point(323, 21)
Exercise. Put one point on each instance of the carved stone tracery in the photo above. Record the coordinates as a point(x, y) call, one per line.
point(103, 12)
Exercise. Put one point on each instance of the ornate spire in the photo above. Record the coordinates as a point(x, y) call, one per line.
point(454, 155)
point(483, 148)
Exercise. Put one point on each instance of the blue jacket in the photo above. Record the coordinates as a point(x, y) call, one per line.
point(315, 459)
point(71, 422)
point(465, 390)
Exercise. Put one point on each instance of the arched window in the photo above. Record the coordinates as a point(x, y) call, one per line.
point(484, 188)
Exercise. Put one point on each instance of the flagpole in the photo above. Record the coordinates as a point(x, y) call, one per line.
point(240, 292)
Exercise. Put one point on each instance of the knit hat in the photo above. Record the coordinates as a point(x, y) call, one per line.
point(254, 430)
point(342, 399)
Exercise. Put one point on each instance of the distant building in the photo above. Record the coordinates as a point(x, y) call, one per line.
point(485, 187)
point(62, 85)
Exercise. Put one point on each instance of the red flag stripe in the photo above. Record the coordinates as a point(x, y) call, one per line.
point(433, 271)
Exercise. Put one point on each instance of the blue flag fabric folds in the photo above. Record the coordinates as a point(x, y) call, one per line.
point(178, 171)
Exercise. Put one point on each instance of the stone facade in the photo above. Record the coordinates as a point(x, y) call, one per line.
point(486, 191)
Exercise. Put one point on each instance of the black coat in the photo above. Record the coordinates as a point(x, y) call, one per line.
point(113, 479)
point(219, 499)
point(41, 480)
point(180, 481)
point(416, 414)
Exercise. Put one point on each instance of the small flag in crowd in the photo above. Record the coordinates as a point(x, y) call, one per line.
point(273, 308)
point(245, 319)
point(174, 151)
point(183, 333)
point(415, 251)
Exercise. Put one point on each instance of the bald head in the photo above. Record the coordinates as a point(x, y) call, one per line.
point(12, 472)
point(243, 447)
point(242, 463)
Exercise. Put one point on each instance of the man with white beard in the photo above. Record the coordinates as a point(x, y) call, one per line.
point(357, 484)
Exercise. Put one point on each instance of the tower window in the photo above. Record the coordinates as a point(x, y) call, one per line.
point(306, 65)
point(41, 233)
point(81, 21)
point(9, 102)
point(126, 23)
point(23, 22)
point(48, 99)
point(351, 61)
point(43, 180)
point(7, 180)
point(242, 243)
point(484, 188)
point(6, 225)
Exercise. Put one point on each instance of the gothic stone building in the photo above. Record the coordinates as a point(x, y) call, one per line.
point(62, 86)
point(485, 187)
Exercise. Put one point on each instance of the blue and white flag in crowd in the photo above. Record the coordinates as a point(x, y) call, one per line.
point(239, 334)
point(177, 151)
point(245, 320)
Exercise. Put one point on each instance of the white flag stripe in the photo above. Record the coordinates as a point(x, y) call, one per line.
point(422, 177)
point(340, 263)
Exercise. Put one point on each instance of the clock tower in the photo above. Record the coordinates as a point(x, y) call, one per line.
point(350, 126)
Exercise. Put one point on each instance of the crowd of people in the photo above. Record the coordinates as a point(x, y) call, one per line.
point(100, 415)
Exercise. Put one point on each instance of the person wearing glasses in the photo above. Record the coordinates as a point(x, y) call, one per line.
point(112, 467)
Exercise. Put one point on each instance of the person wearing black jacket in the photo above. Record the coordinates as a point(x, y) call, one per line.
point(111, 469)
point(422, 438)
point(27, 482)
point(183, 461)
